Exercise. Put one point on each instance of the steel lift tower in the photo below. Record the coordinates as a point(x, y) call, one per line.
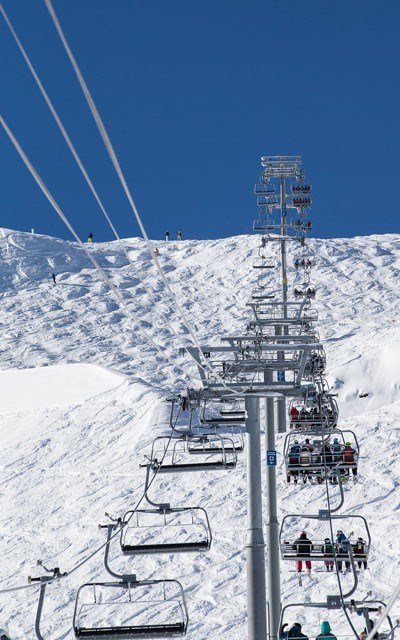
point(281, 168)
point(267, 362)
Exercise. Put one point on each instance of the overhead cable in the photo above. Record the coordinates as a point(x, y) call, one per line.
point(113, 157)
point(63, 217)
point(80, 164)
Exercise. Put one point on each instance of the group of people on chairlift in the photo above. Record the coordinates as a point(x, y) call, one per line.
point(305, 549)
point(306, 460)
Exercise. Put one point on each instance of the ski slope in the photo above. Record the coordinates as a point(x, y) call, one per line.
point(83, 396)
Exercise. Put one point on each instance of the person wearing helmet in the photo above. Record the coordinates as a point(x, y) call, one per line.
point(295, 632)
point(303, 547)
point(328, 551)
point(325, 631)
point(342, 547)
point(336, 449)
point(349, 460)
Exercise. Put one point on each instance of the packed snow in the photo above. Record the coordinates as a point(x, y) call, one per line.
point(83, 395)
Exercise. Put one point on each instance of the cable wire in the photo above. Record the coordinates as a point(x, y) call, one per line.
point(80, 164)
point(63, 217)
point(113, 157)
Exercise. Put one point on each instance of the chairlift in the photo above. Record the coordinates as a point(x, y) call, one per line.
point(301, 202)
point(165, 530)
point(303, 263)
point(176, 455)
point(304, 291)
point(130, 609)
point(314, 412)
point(214, 442)
point(315, 364)
point(310, 314)
point(264, 189)
point(267, 200)
point(267, 296)
point(291, 548)
point(263, 263)
point(299, 188)
point(349, 607)
point(263, 224)
point(313, 455)
point(215, 416)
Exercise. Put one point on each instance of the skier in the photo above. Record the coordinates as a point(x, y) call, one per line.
point(342, 546)
point(166, 236)
point(349, 460)
point(360, 553)
point(179, 235)
point(328, 551)
point(90, 237)
point(325, 631)
point(336, 449)
point(293, 415)
point(294, 461)
point(53, 275)
point(305, 461)
point(295, 632)
point(303, 547)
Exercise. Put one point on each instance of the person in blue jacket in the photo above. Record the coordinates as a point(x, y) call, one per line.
point(342, 547)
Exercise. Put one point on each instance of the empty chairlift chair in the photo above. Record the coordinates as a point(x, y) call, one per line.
point(177, 455)
point(264, 189)
point(166, 530)
point(130, 609)
point(263, 262)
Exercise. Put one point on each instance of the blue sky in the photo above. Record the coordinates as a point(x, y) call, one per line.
point(193, 92)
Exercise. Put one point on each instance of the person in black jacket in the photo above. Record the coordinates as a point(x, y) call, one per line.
point(303, 547)
point(295, 632)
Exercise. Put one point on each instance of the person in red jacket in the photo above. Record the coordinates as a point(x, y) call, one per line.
point(349, 460)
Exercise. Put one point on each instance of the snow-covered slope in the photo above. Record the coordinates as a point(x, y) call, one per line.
point(68, 458)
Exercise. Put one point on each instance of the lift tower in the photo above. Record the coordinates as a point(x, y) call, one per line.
point(281, 168)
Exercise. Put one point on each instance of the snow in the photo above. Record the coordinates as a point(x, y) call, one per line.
point(54, 386)
point(83, 397)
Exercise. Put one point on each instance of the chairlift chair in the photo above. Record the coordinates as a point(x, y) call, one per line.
point(267, 200)
point(263, 262)
point(291, 551)
point(214, 442)
point(264, 189)
point(130, 609)
point(301, 202)
point(298, 188)
point(178, 457)
point(215, 415)
point(165, 530)
point(322, 457)
point(349, 606)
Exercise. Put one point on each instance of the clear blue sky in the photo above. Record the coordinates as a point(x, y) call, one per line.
point(193, 92)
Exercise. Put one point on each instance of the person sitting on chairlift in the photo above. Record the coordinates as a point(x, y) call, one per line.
point(325, 632)
point(303, 547)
